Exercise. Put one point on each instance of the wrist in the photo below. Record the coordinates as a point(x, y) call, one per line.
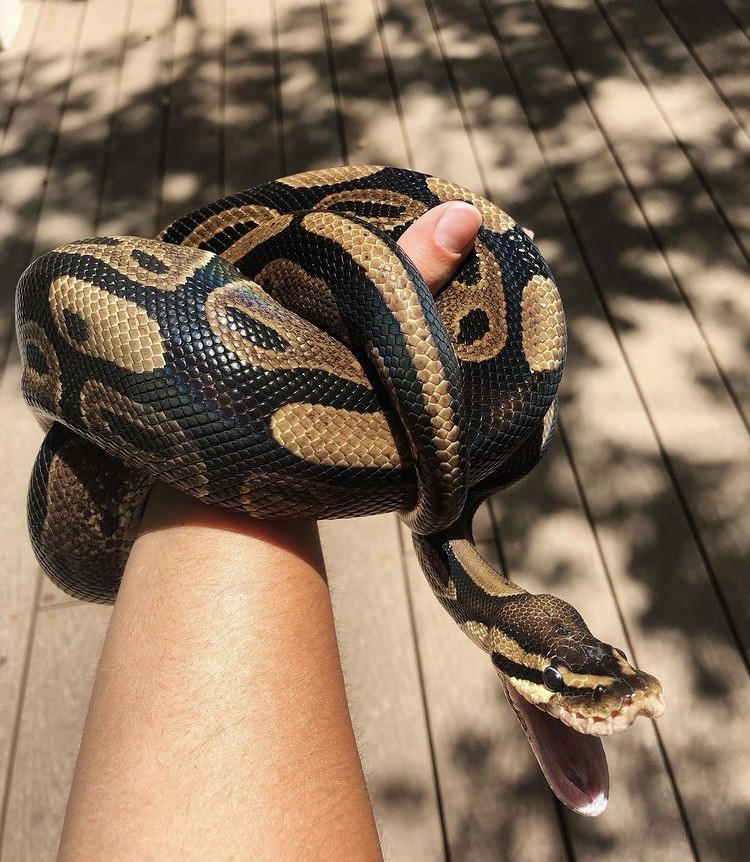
point(179, 523)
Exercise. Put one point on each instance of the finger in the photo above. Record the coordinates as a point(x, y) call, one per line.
point(439, 240)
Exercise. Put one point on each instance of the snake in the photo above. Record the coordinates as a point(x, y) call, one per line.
point(277, 353)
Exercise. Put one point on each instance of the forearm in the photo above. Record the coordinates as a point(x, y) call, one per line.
point(218, 726)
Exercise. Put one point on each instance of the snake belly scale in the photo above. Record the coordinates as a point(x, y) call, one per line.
point(275, 352)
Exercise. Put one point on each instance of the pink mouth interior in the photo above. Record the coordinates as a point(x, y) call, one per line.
point(573, 763)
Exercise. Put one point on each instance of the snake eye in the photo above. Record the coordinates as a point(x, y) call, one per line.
point(552, 678)
point(599, 693)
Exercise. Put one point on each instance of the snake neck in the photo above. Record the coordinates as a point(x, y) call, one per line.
point(477, 596)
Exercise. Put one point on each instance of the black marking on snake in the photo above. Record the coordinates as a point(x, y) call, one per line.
point(256, 394)
point(257, 332)
point(76, 326)
point(473, 326)
point(36, 360)
point(196, 287)
point(519, 671)
point(367, 209)
point(97, 240)
point(469, 272)
point(109, 522)
point(512, 668)
point(227, 237)
point(150, 262)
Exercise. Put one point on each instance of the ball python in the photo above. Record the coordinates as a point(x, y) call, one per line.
point(277, 353)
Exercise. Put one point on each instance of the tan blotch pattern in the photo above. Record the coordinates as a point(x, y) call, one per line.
point(488, 296)
point(484, 576)
point(548, 423)
point(253, 239)
point(43, 388)
point(330, 176)
point(307, 346)
point(218, 222)
point(389, 276)
point(446, 591)
point(542, 325)
point(334, 437)
point(184, 468)
point(134, 257)
point(409, 207)
point(478, 632)
point(304, 294)
point(493, 218)
point(116, 329)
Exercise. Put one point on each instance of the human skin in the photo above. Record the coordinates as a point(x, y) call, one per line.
point(218, 726)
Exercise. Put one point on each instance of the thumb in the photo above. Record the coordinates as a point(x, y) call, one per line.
point(439, 240)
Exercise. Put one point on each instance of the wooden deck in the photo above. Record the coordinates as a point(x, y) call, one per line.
point(619, 130)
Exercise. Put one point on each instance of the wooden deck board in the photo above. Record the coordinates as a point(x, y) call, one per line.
point(252, 127)
point(618, 132)
point(310, 121)
point(193, 173)
point(67, 643)
point(20, 580)
point(14, 60)
point(370, 136)
point(710, 33)
point(687, 230)
point(425, 95)
point(29, 143)
point(131, 192)
point(707, 131)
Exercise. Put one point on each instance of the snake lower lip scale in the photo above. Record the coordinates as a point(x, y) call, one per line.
point(277, 353)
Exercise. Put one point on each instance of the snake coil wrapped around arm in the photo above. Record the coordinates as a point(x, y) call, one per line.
point(275, 352)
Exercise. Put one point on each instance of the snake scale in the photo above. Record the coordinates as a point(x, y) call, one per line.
point(277, 353)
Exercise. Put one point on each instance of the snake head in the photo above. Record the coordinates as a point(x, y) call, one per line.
point(574, 677)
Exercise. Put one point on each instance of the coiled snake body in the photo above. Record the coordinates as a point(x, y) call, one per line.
point(277, 353)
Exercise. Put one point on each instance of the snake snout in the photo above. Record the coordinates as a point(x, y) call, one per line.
point(610, 708)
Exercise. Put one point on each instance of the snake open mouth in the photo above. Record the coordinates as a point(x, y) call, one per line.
point(573, 763)
point(567, 742)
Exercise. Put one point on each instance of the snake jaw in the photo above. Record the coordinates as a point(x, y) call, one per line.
point(625, 700)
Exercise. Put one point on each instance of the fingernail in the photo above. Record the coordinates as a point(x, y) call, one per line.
point(457, 226)
point(529, 232)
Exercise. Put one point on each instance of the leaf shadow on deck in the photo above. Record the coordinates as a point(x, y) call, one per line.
point(112, 170)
